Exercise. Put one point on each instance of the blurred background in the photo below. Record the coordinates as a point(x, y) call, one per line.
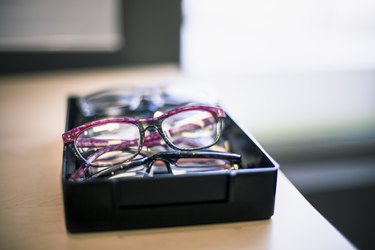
point(300, 75)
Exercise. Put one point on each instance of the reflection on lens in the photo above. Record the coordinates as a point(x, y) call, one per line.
point(203, 164)
point(109, 143)
point(191, 129)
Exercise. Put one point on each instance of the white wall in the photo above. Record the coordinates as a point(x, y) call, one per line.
point(289, 68)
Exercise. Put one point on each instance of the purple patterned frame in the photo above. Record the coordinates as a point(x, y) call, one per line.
point(72, 135)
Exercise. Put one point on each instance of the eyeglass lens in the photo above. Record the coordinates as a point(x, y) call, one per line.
point(191, 129)
point(109, 143)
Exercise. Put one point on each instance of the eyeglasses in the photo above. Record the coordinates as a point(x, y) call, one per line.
point(117, 101)
point(112, 141)
point(114, 102)
point(176, 163)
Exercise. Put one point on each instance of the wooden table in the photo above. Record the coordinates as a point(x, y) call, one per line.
point(33, 109)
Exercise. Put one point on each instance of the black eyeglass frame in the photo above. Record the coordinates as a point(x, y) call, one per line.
point(169, 158)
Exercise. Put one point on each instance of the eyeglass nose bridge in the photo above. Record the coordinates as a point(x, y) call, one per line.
point(167, 164)
point(152, 128)
point(155, 133)
point(147, 126)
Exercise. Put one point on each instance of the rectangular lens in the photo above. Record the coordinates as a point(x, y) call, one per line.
point(191, 129)
point(195, 165)
point(203, 163)
point(108, 144)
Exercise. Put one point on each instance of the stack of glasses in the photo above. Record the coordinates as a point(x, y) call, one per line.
point(185, 139)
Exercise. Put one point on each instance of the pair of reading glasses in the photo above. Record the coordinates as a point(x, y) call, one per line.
point(112, 141)
point(176, 163)
point(118, 101)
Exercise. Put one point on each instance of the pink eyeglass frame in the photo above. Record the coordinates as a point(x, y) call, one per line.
point(72, 135)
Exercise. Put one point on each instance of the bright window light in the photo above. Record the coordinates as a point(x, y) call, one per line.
point(237, 36)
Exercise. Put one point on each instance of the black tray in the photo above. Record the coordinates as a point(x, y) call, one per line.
point(130, 203)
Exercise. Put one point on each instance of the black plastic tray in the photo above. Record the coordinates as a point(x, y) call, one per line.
point(130, 203)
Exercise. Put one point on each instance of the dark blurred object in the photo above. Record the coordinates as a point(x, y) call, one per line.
point(152, 35)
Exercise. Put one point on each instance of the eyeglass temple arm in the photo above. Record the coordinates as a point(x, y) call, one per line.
point(80, 172)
